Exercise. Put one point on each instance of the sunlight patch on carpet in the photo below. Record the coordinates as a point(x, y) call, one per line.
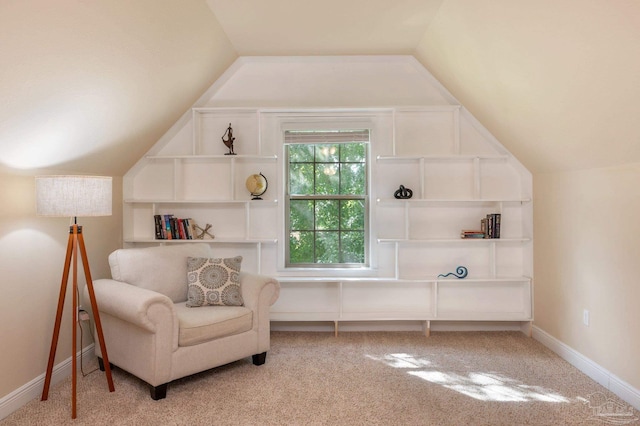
point(482, 386)
point(489, 387)
point(402, 361)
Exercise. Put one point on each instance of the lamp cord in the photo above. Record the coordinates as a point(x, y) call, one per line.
point(82, 345)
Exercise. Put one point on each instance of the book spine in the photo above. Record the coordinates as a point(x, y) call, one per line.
point(167, 226)
point(192, 228)
point(187, 228)
point(496, 226)
point(180, 226)
point(158, 227)
point(174, 229)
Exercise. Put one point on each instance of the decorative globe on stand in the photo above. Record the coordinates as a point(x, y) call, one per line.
point(257, 185)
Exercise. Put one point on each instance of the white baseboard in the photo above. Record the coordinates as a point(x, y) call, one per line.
point(32, 390)
point(624, 390)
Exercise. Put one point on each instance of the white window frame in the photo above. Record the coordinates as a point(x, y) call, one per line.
point(324, 123)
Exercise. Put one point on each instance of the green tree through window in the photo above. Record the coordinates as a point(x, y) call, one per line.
point(327, 200)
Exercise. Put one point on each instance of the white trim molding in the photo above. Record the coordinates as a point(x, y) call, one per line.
point(610, 381)
point(32, 390)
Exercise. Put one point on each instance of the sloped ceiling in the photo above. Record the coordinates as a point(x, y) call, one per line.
point(557, 82)
point(90, 86)
point(328, 27)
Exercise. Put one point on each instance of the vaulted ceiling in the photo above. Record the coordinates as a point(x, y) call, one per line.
point(328, 27)
point(90, 86)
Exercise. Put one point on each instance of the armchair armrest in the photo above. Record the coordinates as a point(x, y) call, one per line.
point(256, 288)
point(134, 304)
point(259, 292)
point(140, 328)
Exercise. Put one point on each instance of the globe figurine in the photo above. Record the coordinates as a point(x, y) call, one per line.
point(257, 185)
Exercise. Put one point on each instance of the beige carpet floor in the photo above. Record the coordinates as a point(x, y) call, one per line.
point(374, 378)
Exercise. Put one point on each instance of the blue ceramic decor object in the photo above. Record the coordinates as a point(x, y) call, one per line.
point(461, 272)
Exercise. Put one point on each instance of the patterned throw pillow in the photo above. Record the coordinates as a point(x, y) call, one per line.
point(214, 281)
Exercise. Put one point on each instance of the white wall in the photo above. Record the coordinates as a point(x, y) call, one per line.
point(309, 81)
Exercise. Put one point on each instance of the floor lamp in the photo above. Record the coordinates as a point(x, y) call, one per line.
point(73, 196)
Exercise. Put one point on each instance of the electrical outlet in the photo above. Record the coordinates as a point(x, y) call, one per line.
point(83, 315)
point(585, 317)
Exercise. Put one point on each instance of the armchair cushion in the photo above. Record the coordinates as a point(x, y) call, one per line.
point(211, 322)
point(214, 281)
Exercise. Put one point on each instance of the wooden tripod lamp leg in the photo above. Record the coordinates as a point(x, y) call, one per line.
point(74, 321)
point(56, 327)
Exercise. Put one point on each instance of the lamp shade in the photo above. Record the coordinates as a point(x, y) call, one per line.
point(73, 196)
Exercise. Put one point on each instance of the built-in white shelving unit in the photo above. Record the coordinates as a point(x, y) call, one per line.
point(458, 175)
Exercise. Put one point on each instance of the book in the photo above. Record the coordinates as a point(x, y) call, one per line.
point(496, 227)
point(472, 233)
point(167, 226)
point(180, 228)
point(158, 227)
point(493, 225)
point(187, 228)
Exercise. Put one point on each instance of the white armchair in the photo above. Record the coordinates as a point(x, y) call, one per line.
point(151, 333)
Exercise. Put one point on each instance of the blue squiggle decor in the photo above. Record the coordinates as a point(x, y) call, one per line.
point(461, 272)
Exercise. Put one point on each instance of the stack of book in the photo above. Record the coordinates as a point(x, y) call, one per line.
point(489, 228)
point(491, 225)
point(169, 227)
point(471, 233)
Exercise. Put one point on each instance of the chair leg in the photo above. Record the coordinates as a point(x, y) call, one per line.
point(159, 392)
point(101, 364)
point(259, 359)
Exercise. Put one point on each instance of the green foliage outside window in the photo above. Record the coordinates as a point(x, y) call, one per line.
point(327, 203)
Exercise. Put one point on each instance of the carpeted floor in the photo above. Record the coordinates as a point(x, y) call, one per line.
point(375, 378)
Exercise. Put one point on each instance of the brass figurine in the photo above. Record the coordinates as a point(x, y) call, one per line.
point(201, 233)
point(229, 141)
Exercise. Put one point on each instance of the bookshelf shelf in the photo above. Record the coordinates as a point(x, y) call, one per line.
point(203, 241)
point(454, 240)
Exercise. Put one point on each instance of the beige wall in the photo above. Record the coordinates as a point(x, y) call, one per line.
point(32, 253)
point(86, 88)
point(587, 252)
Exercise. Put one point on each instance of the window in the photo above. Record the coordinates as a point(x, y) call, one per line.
point(327, 198)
